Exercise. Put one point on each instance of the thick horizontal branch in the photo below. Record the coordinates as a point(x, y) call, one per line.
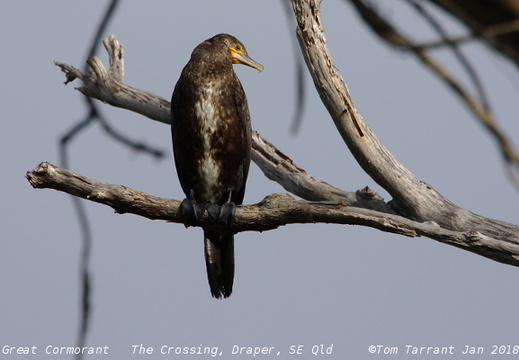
point(272, 212)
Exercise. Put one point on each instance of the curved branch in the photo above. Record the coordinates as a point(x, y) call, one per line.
point(272, 212)
point(413, 198)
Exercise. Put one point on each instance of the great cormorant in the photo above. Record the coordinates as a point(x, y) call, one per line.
point(211, 131)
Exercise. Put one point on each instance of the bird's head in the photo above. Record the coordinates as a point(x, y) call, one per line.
point(237, 49)
point(240, 56)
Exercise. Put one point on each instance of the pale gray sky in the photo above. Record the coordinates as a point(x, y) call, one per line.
point(348, 286)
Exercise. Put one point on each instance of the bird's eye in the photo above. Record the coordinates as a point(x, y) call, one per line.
point(238, 47)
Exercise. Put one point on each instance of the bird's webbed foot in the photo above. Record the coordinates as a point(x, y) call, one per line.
point(223, 213)
point(191, 211)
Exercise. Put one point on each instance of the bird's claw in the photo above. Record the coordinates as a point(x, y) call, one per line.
point(191, 211)
point(223, 213)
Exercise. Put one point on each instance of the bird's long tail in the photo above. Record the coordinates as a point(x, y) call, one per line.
point(219, 259)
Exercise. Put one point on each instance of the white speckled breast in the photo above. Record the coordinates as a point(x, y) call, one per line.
point(208, 167)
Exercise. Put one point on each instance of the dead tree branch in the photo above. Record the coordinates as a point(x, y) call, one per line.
point(416, 208)
point(272, 212)
point(413, 198)
point(493, 21)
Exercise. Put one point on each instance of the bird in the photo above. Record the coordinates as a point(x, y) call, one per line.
point(211, 133)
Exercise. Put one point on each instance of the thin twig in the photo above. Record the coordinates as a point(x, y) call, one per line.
point(86, 234)
point(487, 32)
point(464, 61)
point(300, 87)
point(480, 109)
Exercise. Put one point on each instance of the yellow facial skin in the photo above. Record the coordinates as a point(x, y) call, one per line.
point(239, 56)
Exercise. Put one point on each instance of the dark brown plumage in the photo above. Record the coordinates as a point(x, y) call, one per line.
point(211, 134)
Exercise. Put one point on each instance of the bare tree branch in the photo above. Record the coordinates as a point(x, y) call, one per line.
point(423, 211)
point(300, 75)
point(486, 32)
point(413, 198)
point(494, 21)
point(93, 115)
point(456, 51)
point(272, 212)
point(410, 196)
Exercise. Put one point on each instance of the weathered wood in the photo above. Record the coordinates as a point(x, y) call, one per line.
point(272, 212)
point(411, 197)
